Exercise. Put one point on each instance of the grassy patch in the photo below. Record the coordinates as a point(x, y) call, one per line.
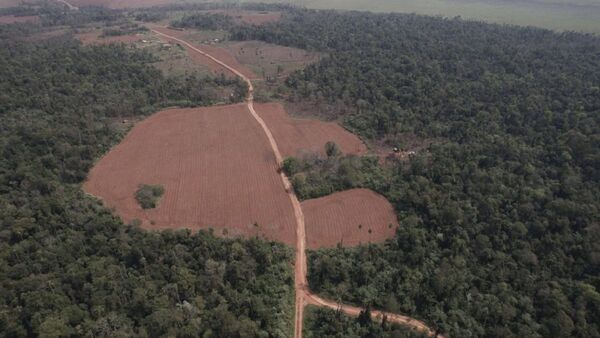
point(148, 196)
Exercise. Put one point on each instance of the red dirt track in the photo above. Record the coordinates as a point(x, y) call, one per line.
point(217, 169)
point(301, 136)
point(335, 219)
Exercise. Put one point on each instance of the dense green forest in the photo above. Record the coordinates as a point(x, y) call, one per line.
point(500, 231)
point(68, 267)
point(326, 323)
point(206, 21)
point(500, 219)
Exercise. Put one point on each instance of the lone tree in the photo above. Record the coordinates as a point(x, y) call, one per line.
point(364, 318)
point(332, 149)
point(149, 195)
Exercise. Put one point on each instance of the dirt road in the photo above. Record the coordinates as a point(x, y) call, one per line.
point(303, 294)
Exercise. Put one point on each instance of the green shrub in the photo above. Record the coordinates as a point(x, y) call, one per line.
point(290, 166)
point(148, 196)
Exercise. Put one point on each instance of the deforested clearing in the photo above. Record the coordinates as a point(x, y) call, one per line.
point(217, 52)
point(271, 60)
point(349, 218)
point(296, 137)
point(217, 169)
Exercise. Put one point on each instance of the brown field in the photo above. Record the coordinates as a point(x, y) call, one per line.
point(9, 3)
point(217, 169)
point(264, 58)
point(217, 52)
point(6, 19)
point(349, 217)
point(296, 137)
point(94, 37)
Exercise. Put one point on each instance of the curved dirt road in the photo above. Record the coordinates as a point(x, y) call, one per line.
point(303, 294)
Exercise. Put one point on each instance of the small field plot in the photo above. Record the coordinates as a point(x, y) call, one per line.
point(216, 51)
point(215, 165)
point(9, 3)
point(351, 217)
point(296, 137)
point(269, 60)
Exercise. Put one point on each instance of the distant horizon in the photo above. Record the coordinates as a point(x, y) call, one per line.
point(559, 15)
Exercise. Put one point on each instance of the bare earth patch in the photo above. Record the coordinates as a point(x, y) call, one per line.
point(350, 217)
point(217, 169)
point(296, 137)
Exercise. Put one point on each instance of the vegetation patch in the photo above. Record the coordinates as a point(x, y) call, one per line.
point(315, 176)
point(148, 196)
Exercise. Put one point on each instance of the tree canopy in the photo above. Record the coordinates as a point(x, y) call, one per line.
point(500, 219)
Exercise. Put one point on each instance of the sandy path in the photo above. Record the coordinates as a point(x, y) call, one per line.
point(303, 294)
point(71, 7)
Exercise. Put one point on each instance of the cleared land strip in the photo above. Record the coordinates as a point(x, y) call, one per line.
point(303, 295)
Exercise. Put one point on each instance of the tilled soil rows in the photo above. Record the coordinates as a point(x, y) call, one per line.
point(217, 169)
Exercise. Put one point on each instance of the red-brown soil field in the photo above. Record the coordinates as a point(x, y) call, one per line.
point(296, 137)
point(216, 166)
point(217, 52)
point(351, 217)
point(14, 19)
